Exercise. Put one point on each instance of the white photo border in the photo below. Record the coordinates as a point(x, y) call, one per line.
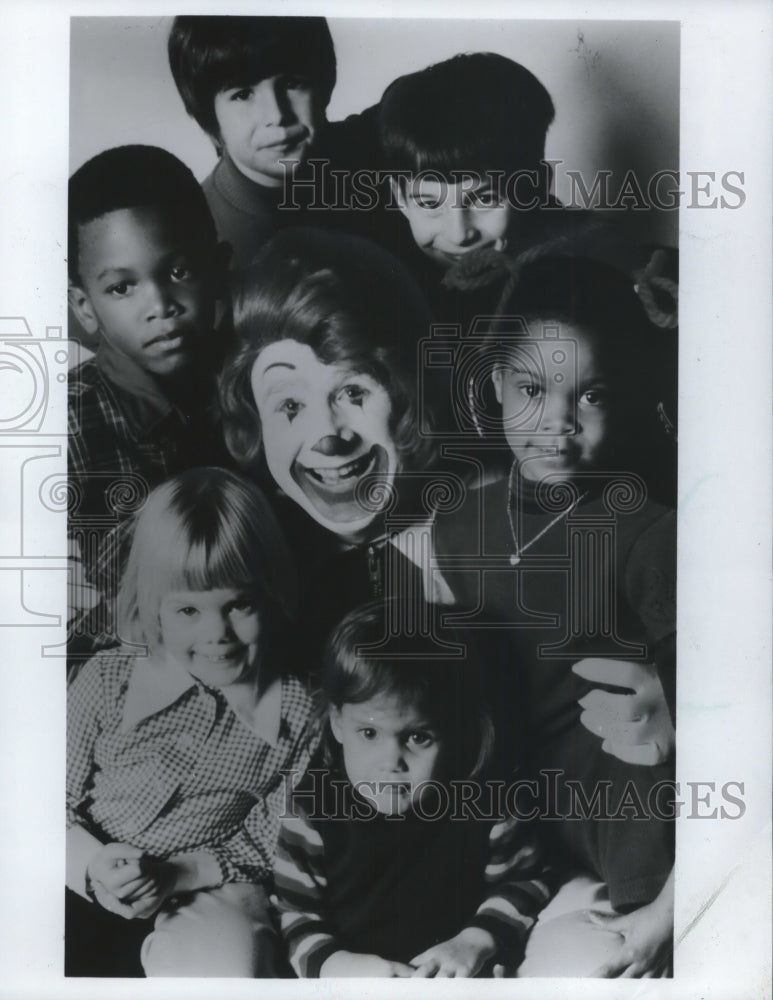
point(723, 891)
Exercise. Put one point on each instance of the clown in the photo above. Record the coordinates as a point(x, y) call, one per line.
point(321, 394)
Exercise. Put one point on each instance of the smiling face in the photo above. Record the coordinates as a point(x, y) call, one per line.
point(269, 126)
point(144, 286)
point(324, 428)
point(388, 747)
point(449, 220)
point(213, 634)
point(557, 405)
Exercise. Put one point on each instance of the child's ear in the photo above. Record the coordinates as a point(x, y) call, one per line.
point(81, 305)
point(496, 377)
point(335, 723)
point(217, 142)
point(398, 194)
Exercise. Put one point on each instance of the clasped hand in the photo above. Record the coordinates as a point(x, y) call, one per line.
point(129, 883)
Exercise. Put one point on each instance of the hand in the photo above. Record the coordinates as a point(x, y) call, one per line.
point(159, 884)
point(646, 938)
point(127, 883)
point(116, 868)
point(463, 955)
point(636, 728)
point(350, 963)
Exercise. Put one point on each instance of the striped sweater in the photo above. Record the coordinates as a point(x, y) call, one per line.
point(395, 886)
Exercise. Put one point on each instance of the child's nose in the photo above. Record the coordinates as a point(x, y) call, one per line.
point(161, 301)
point(393, 757)
point(459, 227)
point(216, 626)
point(272, 101)
point(557, 415)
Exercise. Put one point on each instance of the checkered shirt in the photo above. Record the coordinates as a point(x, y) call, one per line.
point(113, 462)
point(189, 777)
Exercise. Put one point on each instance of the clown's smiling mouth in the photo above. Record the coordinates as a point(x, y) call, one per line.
point(342, 475)
point(332, 490)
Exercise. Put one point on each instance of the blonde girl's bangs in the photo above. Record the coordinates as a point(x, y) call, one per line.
point(204, 530)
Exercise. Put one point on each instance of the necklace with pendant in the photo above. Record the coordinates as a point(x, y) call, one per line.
point(515, 557)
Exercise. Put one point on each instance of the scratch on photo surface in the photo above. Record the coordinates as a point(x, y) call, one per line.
point(687, 498)
point(706, 906)
point(589, 56)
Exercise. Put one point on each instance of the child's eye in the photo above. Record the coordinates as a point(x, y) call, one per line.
point(530, 389)
point(296, 81)
point(243, 94)
point(354, 394)
point(189, 611)
point(420, 739)
point(595, 397)
point(484, 199)
point(243, 606)
point(428, 203)
point(120, 289)
point(367, 733)
point(290, 407)
point(181, 272)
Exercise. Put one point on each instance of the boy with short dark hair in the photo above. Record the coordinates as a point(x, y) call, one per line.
point(259, 87)
point(465, 139)
point(144, 266)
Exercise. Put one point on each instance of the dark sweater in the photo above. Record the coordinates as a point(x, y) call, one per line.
point(321, 193)
point(530, 603)
point(351, 879)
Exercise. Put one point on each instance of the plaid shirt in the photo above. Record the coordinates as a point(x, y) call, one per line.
point(124, 440)
point(183, 773)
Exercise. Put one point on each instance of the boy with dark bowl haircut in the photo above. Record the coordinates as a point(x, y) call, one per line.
point(259, 88)
point(464, 143)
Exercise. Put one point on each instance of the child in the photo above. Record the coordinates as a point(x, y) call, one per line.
point(322, 388)
point(377, 873)
point(176, 742)
point(465, 142)
point(259, 87)
point(481, 115)
point(144, 269)
point(571, 555)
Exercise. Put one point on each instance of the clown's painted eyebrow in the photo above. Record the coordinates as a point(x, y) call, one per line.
point(344, 373)
point(279, 364)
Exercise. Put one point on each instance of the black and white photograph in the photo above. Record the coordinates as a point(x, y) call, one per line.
point(393, 503)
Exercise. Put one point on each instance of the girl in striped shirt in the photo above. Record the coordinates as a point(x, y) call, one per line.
point(393, 858)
